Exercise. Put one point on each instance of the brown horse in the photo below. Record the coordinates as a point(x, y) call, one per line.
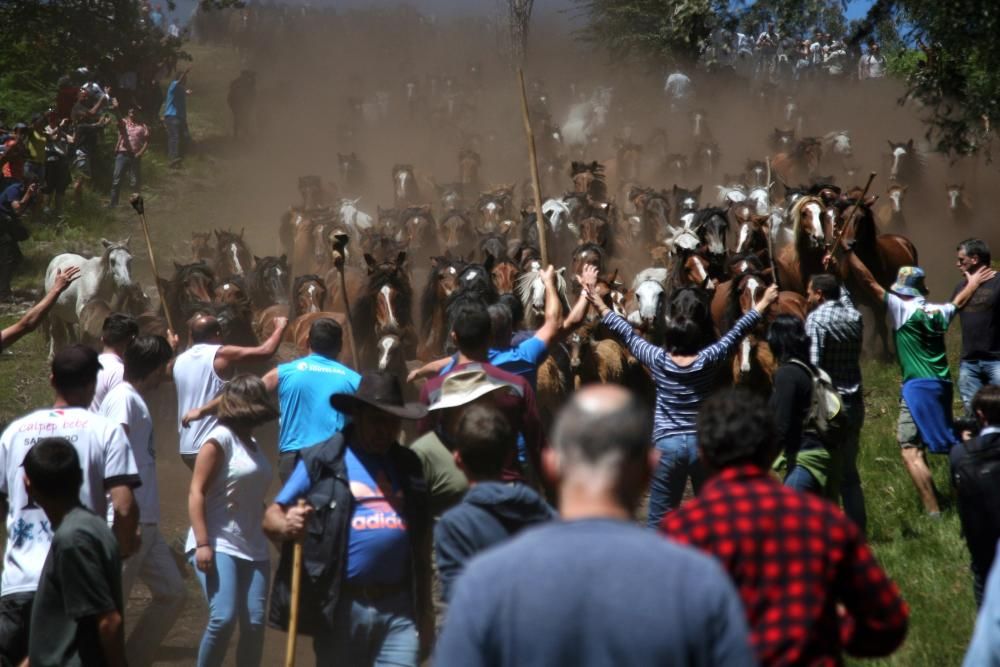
point(405, 190)
point(456, 234)
point(799, 164)
point(191, 287)
point(597, 228)
point(802, 258)
point(588, 179)
point(468, 171)
point(384, 307)
point(493, 209)
point(959, 207)
point(883, 254)
point(754, 230)
point(201, 247)
point(441, 284)
point(504, 273)
point(232, 256)
point(419, 230)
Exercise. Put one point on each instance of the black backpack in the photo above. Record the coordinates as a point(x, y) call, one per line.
point(977, 474)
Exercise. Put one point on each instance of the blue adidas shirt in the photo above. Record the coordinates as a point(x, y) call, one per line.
point(378, 548)
point(304, 389)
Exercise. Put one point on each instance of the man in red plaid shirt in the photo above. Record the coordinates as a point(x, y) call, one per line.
point(810, 586)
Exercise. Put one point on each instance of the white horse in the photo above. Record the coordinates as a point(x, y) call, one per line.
point(352, 218)
point(650, 297)
point(105, 277)
point(760, 197)
point(586, 118)
point(531, 291)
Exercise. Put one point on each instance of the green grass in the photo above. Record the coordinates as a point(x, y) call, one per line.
point(927, 558)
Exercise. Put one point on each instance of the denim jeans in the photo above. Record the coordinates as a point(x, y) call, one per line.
point(236, 590)
point(800, 479)
point(177, 135)
point(973, 375)
point(848, 481)
point(678, 461)
point(378, 632)
point(125, 166)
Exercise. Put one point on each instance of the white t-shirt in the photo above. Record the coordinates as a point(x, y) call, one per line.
point(111, 375)
point(197, 383)
point(105, 457)
point(234, 499)
point(124, 405)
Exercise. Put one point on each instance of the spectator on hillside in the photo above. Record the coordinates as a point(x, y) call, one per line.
point(594, 588)
point(919, 327)
point(36, 140)
point(146, 359)
point(199, 374)
point(78, 611)
point(491, 510)
point(685, 372)
point(108, 469)
point(15, 153)
point(810, 585)
point(133, 141)
point(226, 544)
point(15, 200)
point(31, 319)
point(58, 155)
point(366, 576)
point(975, 469)
point(175, 118)
point(88, 125)
point(836, 332)
point(117, 332)
point(980, 321)
point(872, 64)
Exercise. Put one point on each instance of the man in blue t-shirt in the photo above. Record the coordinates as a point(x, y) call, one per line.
point(14, 201)
point(359, 502)
point(524, 358)
point(175, 118)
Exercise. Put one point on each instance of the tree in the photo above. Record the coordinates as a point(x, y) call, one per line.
point(515, 15)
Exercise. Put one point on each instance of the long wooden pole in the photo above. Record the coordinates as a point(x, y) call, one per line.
point(770, 232)
point(340, 261)
point(533, 163)
point(293, 612)
point(140, 208)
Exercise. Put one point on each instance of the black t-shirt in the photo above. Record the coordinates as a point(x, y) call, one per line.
point(80, 581)
point(980, 320)
point(791, 398)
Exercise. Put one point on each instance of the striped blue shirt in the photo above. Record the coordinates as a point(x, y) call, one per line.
point(680, 390)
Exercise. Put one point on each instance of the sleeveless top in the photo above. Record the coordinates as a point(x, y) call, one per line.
point(197, 384)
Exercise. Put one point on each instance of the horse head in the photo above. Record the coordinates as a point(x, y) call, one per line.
point(233, 254)
point(390, 352)
point(116, 260)
point(270, 280)
point(420, 230)
point(899, 153)
point(896, 192)
point(309, 295)
point(504, 275)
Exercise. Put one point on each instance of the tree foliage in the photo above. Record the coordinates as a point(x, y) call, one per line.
point(42, 41)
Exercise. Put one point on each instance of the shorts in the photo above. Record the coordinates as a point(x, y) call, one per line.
point(907, 433)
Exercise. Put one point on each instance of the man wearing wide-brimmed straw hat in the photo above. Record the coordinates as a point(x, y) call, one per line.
point(366, 527)
point(919, 327)
point(446, 484)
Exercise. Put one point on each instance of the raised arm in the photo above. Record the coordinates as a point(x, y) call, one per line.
point(724, 346)
point(587, 279)
point(972, 283)
point(553, 308)
point(31, 319)
point(865, 276)
point(231, 354)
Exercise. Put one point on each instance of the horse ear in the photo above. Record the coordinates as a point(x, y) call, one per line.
point(401, 259)
point(676, 189)
point(890, 144)
point(488, 264)
point(106, 243)
point(242, 230)
point(697, 191)
point(370, 261)
point(256, 259)
point(283, 258)
point(870, 201)
point(177, 267)
point(217, 235)
point(909, 144)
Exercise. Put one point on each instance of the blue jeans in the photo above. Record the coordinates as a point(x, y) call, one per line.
point(973, 375)
point(378, 632)
point(125, 166)
point(177, 135)
point(678, 461)
point(800, 479)
point(236, 589)
point(849, 480)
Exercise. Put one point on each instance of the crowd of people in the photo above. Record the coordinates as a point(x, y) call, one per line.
point(776, 57)
point(450, 544)
point(69, 146)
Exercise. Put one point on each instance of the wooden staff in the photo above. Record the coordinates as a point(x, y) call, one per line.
point(140, 208)
point(533, 162)
point(340, 240)
point(854, 207)
point(770, 232)
point(293, 612)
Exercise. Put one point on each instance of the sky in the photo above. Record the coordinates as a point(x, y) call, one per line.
point(855, 8)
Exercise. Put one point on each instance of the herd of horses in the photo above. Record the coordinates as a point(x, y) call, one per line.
point(660, 254)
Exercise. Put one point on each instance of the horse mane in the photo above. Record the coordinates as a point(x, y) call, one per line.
point(704, 215)
point(595, 168)
point(795, 217)
point(239, 282)
point(525, 280)
point(491, 242)
point(256, 275)
point(293, 306)
point(225, 236)
point(864, 228)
